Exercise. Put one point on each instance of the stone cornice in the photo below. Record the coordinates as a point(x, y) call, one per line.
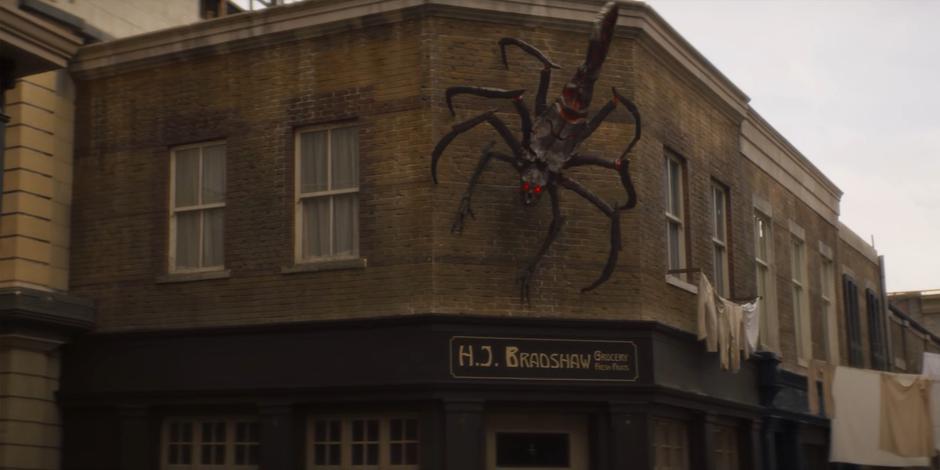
point(857, 243)
point(771, 152)
point(36, 45)
point(318, 17)
point(35, 309)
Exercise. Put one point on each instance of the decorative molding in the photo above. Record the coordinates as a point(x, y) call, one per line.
point(855, 242)
point(46, 310)
point(825, 250)
point(763, 206)
point(772, 153)
point(35, 45)
point(317, 18)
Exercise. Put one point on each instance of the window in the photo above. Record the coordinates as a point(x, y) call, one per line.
point(670, 444)
point(875, 330)
point(830, 323)
point(675, 213)
point(763, 259)
point(341, 443)
point(211, 443)
point(726, 447)
point(197, 207)
point(327, 194)
point(720, 239)
point(852, 326)
point(801, 319)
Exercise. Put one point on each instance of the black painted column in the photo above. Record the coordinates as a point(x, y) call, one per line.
point(630, 440)
point(6, 82)
point(769, 441)
point(751, 445)
point(702, 442)
point(281, 444)
point(464, 445)
point(138, 450)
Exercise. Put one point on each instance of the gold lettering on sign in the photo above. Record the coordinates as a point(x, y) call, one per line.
point(465, 352)
point(511, 359)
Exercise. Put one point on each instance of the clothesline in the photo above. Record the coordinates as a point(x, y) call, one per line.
point(699, 271)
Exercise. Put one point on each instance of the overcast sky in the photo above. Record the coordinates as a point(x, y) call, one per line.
point(855, 85)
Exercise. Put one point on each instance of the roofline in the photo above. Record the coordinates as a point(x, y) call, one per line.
point(318, 17)
point(856, 242)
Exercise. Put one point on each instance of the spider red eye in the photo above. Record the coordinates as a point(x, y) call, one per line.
point(538, 189)
point(525, 186)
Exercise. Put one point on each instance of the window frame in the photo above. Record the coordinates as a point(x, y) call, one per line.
point(799, 296)
point(346, 443)
point(231, 429)
point(679, 219)
point(673, 427)
point(300, 196)
point(173, 210)
point(827, 292)
point(770, 324)
point(720, 241)
point(853, 326)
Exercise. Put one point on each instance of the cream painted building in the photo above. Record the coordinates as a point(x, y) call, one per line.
point(37, 40)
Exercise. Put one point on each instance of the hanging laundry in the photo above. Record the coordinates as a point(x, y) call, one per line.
point(730, 343)
point(821, 371)
point(906, 428)
point(856, 424)
point(931, 370)
point(707, 315)
point(751, 314)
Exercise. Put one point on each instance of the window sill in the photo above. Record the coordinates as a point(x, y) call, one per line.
point(326, 265)
point(194, 276)
point(676, 282)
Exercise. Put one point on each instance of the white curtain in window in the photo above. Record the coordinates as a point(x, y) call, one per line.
point(187, 239)
point(345, 161)
point(346, 214)
point(187, 177)
point(213, 174)
point(313, 154)
point(316, 229)
point(213, 238)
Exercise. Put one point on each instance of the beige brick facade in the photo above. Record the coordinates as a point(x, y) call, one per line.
point(390, 79)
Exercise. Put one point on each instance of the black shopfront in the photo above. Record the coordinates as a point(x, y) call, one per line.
point(425, 391)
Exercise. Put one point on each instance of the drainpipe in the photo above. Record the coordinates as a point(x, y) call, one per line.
point(888, 350)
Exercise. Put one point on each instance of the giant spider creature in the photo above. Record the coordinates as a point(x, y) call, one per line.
point(550, 144)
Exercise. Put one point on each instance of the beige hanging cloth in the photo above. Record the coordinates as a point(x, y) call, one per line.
point(707, 315)
point(906, 427)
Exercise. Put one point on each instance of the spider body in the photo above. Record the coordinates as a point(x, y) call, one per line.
point(549, 145)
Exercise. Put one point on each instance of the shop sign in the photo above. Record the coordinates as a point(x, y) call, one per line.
point(477, 357)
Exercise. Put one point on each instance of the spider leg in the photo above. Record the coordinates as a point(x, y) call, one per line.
point(613, 214)
point(545, 76)
point(465, 126)
point(607, 109)
point(465, 208)
point(515, 95)
point(557, 220)
point(622, 166)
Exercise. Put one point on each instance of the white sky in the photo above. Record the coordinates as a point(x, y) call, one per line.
point(855, 85)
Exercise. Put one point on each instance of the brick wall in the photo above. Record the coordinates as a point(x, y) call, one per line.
point(391, 77)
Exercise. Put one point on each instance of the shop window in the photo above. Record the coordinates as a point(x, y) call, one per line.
point(670, 444)
point(720, 239)
point(766, 278)
point(726, 448)
point(800, 300)
point(327, 194)
point(197, 208)
point(212, 443)
point(674, 194)
point(340, 443)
